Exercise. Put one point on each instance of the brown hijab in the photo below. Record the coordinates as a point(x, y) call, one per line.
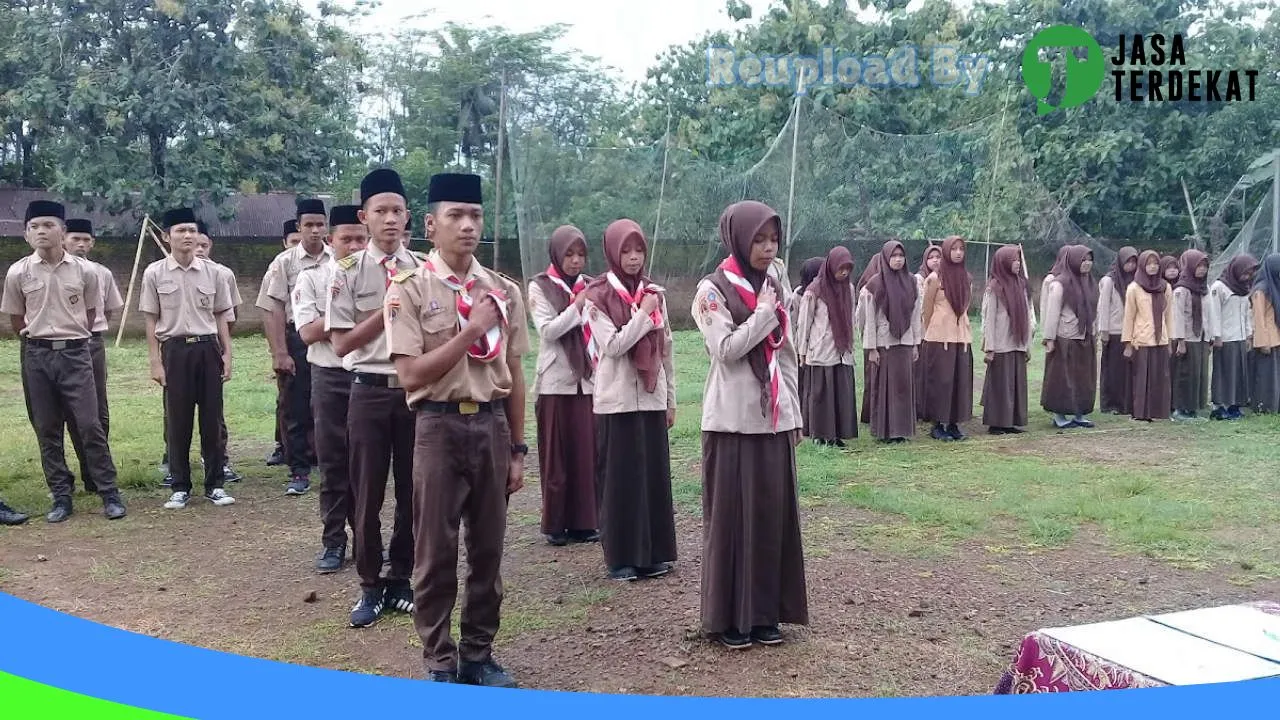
point(574, 344)
point(739, 224)
point(1119, 278)
point(1155, 285)
point(1011, 288)
point(872, 269)
point(894, 290)
point(1169, 261)
point(924, 270)
point(647, 354)
point(808, 271)
point(1198, 287)
point(837, 295)
point(1234, 275)
point(1079, 290)
point(957, 284)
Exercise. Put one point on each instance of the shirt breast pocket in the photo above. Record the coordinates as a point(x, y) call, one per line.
point(367, 305)
point(33, 289)
point(204, 296)
point(438, 327)
point(169, 296)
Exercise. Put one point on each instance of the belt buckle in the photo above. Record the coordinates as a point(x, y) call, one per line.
point(58, 345)
point(190, 339)
point(468, 408)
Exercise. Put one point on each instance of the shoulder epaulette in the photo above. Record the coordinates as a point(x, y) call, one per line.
point(349, 261)
point(505, 277)
point(420, 255)
point(404, 275)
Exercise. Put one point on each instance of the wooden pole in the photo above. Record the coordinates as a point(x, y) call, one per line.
point(1275, 203)
point(791, 193)
point(662, 190)
point(502, 136)
point(995, 168)
point(133, 276)
point(1195, 229)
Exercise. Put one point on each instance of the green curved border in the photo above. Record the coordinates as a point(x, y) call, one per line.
point(21, 699)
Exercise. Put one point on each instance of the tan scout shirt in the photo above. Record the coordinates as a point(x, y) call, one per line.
point(814, 342)
point(997, 335)
point(421, 315)
point(276, 292)
point(1265, 332)
point(1184, 321)
point(228, 278)
point(1139, 327)
point(941, 325)
point(308, 306)
point(875, 325)
point(731, 395)
point(1227, 315)
point(1110, 320)
point(1060, 321)
point(553, 375)
point(108, 295)
point(357, 290)
point(54, 300)
point(618, 387)
point(186, 300)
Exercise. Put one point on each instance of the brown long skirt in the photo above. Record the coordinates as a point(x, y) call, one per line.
point(917, 374)
point(1191, 378)
point(948, 384)
point(868, 381)
point(1004, 391)
point(752, 556)
point(1266, 381)
point(1116, 390)
point(1152, 386)
point(1070, 378)
point(1231, 375)
point(802, 382)
point(633, 490)
point(892, 395)
point(566, 462)
point(830, 404)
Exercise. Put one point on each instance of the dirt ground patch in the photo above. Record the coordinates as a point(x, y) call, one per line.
point(237, 579)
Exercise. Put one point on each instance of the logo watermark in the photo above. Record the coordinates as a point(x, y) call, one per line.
point(831, 67)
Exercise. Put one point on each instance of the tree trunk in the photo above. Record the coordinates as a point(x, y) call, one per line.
point(28, 142)
point(157, 141)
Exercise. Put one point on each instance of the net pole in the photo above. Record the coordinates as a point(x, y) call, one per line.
point(662, 190)
point(133, 277)
point(1195, 229)
point(502, 135)
point(1275, 202)
point(795, 143)
point(995, 168)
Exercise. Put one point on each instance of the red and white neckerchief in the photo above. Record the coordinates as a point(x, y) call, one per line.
point(771, 344)
point(388, 263)
point(634, 300)
point(490, 346)
point(593, 351)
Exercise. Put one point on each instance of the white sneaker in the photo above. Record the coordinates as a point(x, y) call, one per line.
point(220, 497)
point(177, 501)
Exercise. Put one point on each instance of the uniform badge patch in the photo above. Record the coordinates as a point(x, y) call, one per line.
point(74, 299)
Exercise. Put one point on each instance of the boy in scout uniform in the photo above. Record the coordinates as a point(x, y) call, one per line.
point(53, 299)
point(288, 352)
point(79, 241)
point(280, 456)
point(457, 332)
point(204, 251)
point(185, 301)
point(379, 424)
point(330, 387)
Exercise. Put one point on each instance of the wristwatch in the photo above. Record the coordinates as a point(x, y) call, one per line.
point(520, 449)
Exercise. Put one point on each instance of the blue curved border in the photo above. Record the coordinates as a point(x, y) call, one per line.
point(84, 657)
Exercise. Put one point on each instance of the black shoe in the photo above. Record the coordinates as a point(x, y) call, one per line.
point(399, 598)
point(840, 444)
point(625, 573)
point(298, 485)
point(229, 475)
point(940, 433)
point(276, 457)
point(167, 481)
point(443, 676)
point(559, 539)
point(485, 674)
point(60, 512)
point(655, 571)
point(997, 431)
point(369, 609)
point(735, 640)
point(1085, 423)
point(954, 431)
point(113, 507)
point(1014, 431)
point(584, 536)
point(9, 516)
point(330, 561)
point(91, 488)
point(767, 635)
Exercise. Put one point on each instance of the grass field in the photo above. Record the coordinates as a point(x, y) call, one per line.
point(989, 536)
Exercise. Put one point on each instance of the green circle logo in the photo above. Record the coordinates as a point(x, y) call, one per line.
point(1081, 78)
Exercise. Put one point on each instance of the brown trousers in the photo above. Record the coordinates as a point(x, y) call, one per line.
point(460, 468)
point(98, 353)
point(330, 394)
point(380, 440)
point(60, 388)
point(293, 407)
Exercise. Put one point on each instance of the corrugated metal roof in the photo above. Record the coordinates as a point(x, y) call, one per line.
point(261, 215)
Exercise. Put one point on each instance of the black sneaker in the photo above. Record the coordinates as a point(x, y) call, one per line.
point(442, 676)
point(1085, 423)
point(229, 475)
point(559, 539)
point(624, 573)
point(656, 571)
point(60, 512)
point(9, 516)
point(584, 536)
point(767, 635)
point(940, 433)
point(369, 609)
point(996, 431)
point(735, 640)
point(113, 506)
point(298, 485)
point(276, 457)
point(399, 597)
point(168, 480)
point(954, 431)
point(330, 560)
point(485, 674)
